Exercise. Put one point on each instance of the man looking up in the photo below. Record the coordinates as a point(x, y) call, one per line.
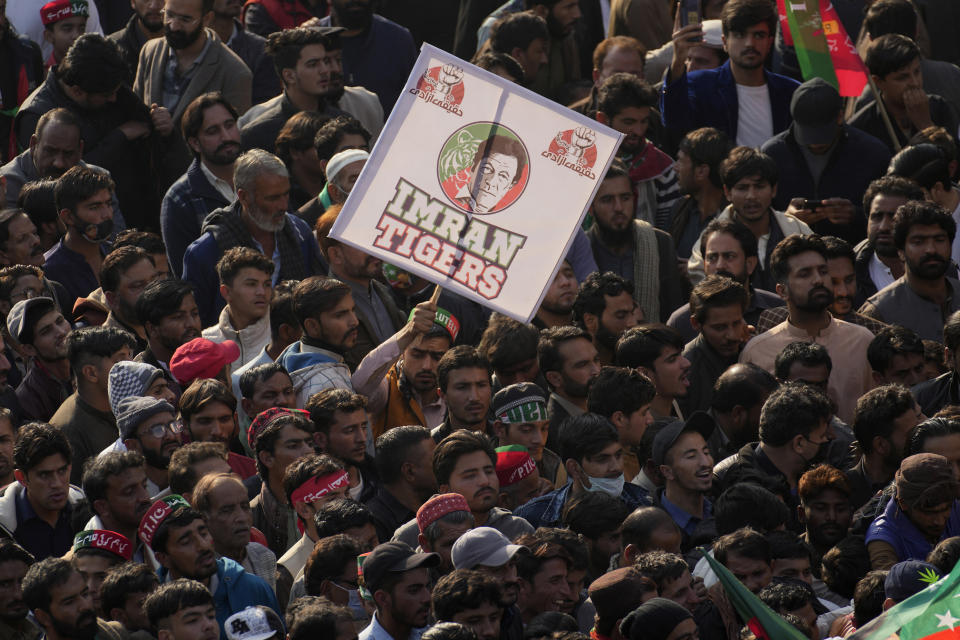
point(209, 127)
point(168, 312)
point(569, 361)
point(923, 234)
point(799, 264)
point(882, 423)
point(605, 307)
point(84, 198)
point(246, 283)
point(741, 98)
point(302, 57)
point(750, 183)
point(85, 417)
point(623, 396)
point(625, 242)
point(339, 419)
point(257, 219)
point(41, 331)
point(124, 274)
point(42, 499)
point(593, 457)
point(878, 262)
point(465, 463)
point(463, 377)
point(656, 351)
point(730, 250)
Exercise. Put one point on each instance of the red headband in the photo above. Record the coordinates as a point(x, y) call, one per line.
point(319, 486)
point(104, 540)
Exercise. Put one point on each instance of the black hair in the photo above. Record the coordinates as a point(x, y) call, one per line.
point(174, 596)
point(37, 441)
point(619, 389)
point(791, 410)
point(491, 60)
point(925, 164)
point(180, 471)
point(463, 589)
point(517, 31)
point(150, 242)
point(507, 342)
point(98, 470)
point(448, 631)
point(739, 15)
point(324, 405)
point(844, 564)
point(716, 291)
point(745, 542)
point(285, 46)
point(235, 259)
point(340, 514)
point(890, 185)
point(929, 428)
point(838, 248)
point(891, 16)
point(181, 517)
point(117, 262)
point(594, 513)
point(88, 343)
point(124, 580)
point(315, 295)
point(746, 162)
point(641, 346)
point(94, 64)
point(951, 332)
point(869, 596)
point(790, 247)
point(331, 133)
point(945, 555)
point(707, 146)
point(585, 436)
point(784, 597)
point(661, 566)
point(460, 357)
point(160, 299)
point(260, 373)
point(638, 527)
point(591, 296)
point(327, 560)
point(737, 230)
point(454, 446)
point(192, 119)
point(267, 439)
point(890, 53)
point(787, 545)
point(890, 342)
point(624, 90)
point(281, 307)
point(877, 411)
point(393, 449)
point(748, 504)
point(298, 134)
point(809, 354)
point(304, 468)
point(37, 200)
point(80, 183)
point(311, 617)
point(42, 578)
point(548, 348)
point(916, 212)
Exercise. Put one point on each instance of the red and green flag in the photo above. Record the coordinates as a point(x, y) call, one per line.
point(932, 614)
point(761, 619)
point(823, 47)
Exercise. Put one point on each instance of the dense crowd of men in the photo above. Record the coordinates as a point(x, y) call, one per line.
point(217, 421)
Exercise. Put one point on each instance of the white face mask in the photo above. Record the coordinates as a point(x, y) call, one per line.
point(610, 486)
point(355, 602)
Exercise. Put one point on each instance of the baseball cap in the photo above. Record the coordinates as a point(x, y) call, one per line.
point(342, 159)
point(253, 623)
point(699, 421)
point(483, 545)
point(202, 358)
point(814, 107)
point(908, 578)
point(394, 557)
point(519, 403)
point(17, 318)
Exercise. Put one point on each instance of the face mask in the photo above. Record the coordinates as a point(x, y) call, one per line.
point(610, 486)
point(354, 603)
point(101, 231)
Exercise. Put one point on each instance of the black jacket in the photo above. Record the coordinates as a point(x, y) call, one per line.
point(130, 41)
point(261, 133)
point(933, 395)
point(20, 73)
point(858, 159)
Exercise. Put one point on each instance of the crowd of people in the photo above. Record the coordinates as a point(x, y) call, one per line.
point(219, 422)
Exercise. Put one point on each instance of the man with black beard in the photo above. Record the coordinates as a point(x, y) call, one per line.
point(605, 307)
point(924, 297)
point(377, 53)
point(557, 307)
point(877, 262)
point(731, 250)
point(146, 23)
point(799, 264)
point(188, 61)
point(63, 607)
point(632, 248)
point(569, 361)
point(257, 219)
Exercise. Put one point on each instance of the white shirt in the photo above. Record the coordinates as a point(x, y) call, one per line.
point(754, 116)
point(375, 631)
point(880, 273)
point(223, 187)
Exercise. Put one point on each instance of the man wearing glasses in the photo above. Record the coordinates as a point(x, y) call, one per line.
point(148, 426)
point(188, 61)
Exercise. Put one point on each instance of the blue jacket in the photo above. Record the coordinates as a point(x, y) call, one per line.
point(200, 259)
point(188, 201)
point(546, 510)
point(857, 160)
point(708, 98)
point(236, 590)
point(894, 527)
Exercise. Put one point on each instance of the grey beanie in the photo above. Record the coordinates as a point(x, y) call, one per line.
point(135, 409)
point(128, 378)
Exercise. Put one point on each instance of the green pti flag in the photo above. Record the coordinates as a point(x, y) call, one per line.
point(761, 619)
point(810, 42)
point(932, 614)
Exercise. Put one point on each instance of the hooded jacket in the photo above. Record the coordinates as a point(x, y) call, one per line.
point(313, 369)
point(8, 505)
point(251, 340)
point(546, 511)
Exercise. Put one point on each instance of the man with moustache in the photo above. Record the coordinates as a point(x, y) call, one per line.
point(799, 263)
point(14, 562)
point(398, 578)
point(257, 219)
point(605, 308)
point(19, 242)
point(556, 309)
point(61, 604)
point(167, 310)
point(877, 261)
point(188, 61)
point(488, 551)
point(182, 544)
point(148, 426)
point(731, 250)
point(924, 297)
point(377, 53)
point(656, 351)
point(41, 331)
point(569, 361)
point(632, 248)
point(146, 23)
point(463, 378)
point(8, 433)
point(210, 129)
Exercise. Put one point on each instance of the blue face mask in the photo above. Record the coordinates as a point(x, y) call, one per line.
point(610, 486)
point(354, 603)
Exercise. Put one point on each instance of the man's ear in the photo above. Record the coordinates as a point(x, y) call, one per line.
point(591, 322)
point(554, 379)
point(424, 543)
point(266, 459)
point(751, 264)
point(312, 326)
point(500, 430)
point(100, 505)
point(247, 406)
point(574, 470)
point(320, 440)
point(801, 514)
point(781, 290)
point(303, 511)
point(111, 298)
point(889, 602)
point(619, 419)
point(43, 618)
point(666, 472)
point(133, 445)
point(630, 553)
point(225, 293)
point(602, 118)
point(695, 324)
point(503, 501)
point(441, 488)
point(382, 598)
point(89, 372)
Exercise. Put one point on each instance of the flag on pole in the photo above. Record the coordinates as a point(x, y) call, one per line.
point(932, 614)
point(761, 619)
point(823, 47)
